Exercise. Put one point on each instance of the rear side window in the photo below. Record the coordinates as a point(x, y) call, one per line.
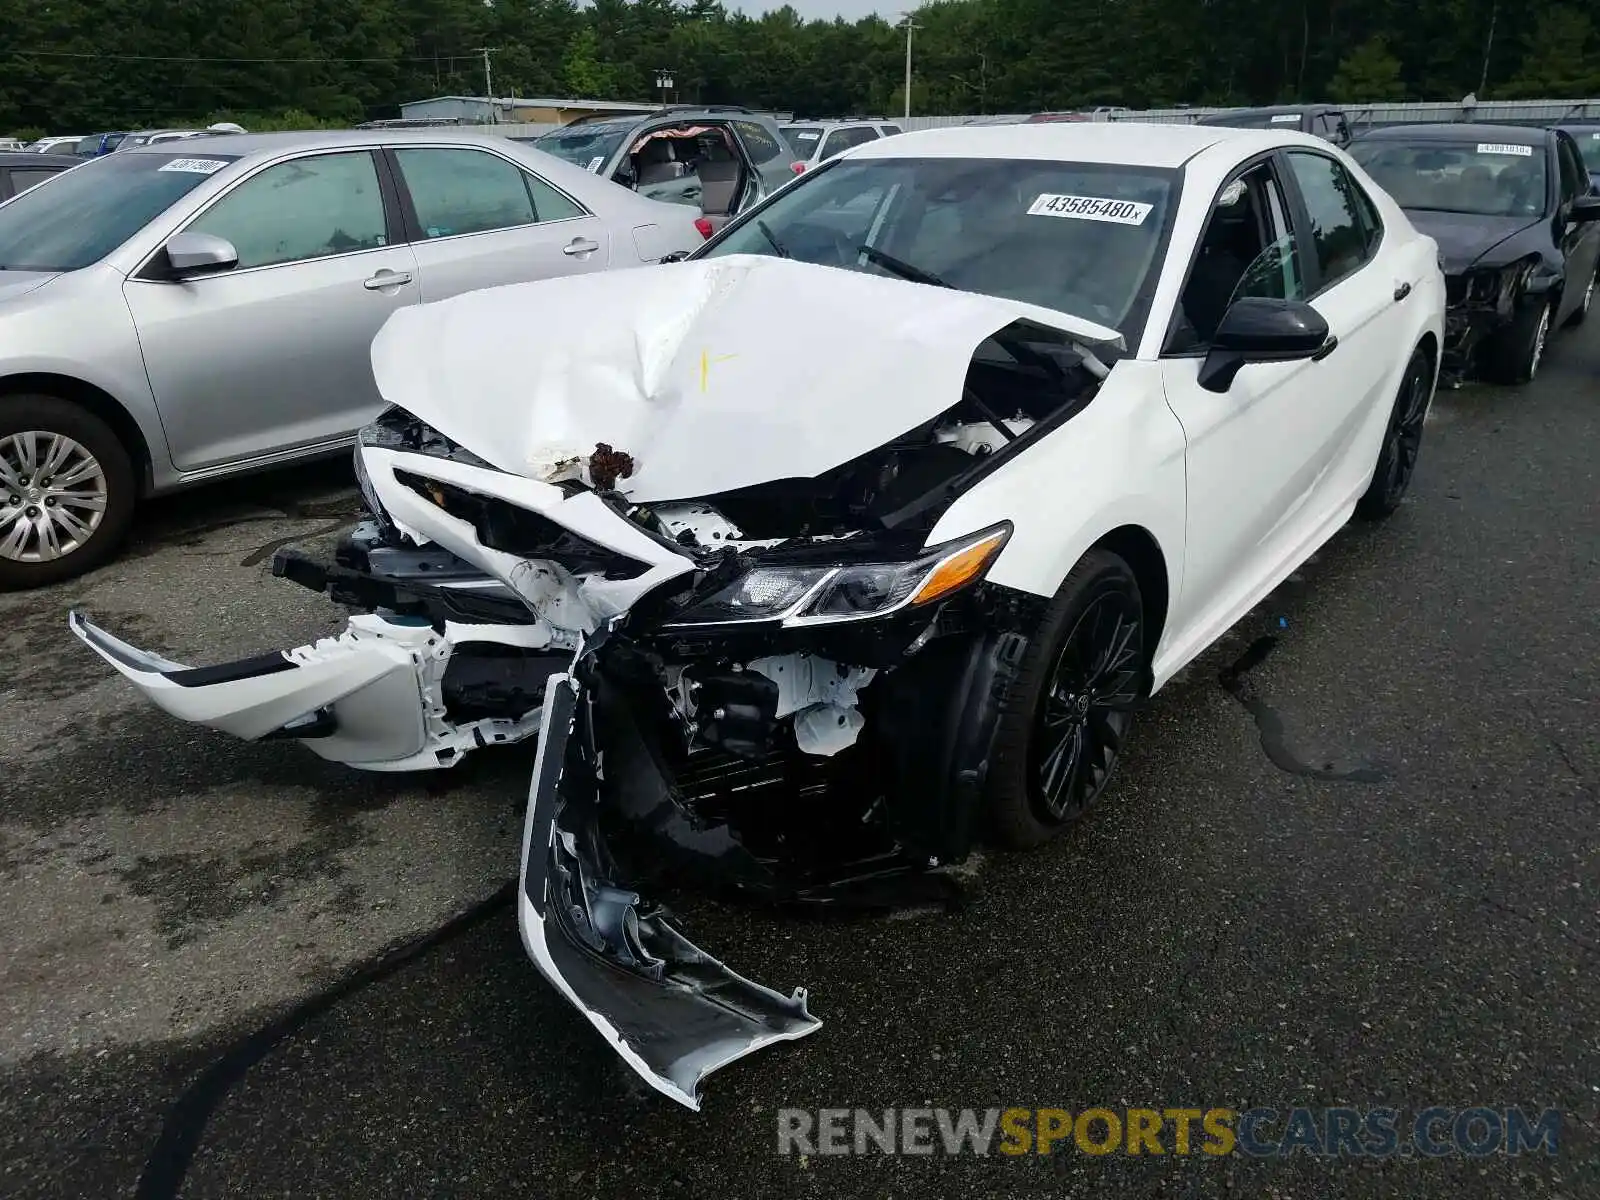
point(1371, 222)
point(299, 210)
point(841, 140)
point(23, 178)
point(891, 130)
point(472, 191)
point(804, 139)
point(1331, 201)
point(759, 144)
point(1574, 179)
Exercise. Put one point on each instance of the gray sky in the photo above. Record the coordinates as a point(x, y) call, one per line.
point(850, 10)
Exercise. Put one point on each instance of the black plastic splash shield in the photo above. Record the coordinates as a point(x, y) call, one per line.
point(673, 1013)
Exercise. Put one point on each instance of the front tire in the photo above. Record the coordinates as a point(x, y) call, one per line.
point(1514, 354)
point(66, 491)
point(1402, 441)
point(1067, 713)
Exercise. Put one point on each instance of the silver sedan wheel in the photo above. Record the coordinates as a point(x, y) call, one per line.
point(52, 496)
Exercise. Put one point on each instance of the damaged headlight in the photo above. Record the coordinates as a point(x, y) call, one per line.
point(1498, 285)
point(369, 494)
point(396, 429)
point(822, 595)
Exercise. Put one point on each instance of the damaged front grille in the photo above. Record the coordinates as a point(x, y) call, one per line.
point(714, 782)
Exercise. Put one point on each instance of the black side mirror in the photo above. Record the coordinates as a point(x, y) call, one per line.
point(1585, 208)
point(1257, 329)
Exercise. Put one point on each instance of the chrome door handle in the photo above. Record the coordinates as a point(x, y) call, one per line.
point(387, 279)
point(580, 246)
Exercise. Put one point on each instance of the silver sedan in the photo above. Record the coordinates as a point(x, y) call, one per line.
point(186, 311)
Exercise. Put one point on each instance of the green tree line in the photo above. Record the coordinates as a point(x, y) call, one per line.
point(75, 65)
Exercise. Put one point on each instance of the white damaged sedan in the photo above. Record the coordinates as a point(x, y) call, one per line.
point(865, 529)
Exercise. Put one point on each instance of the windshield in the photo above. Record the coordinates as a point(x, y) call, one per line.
point(84, 214)
point(1484, 179)
point(589, 146)
point(1255, 120)
point(1080, 238)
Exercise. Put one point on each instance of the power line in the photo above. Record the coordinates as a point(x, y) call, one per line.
point(176, 58)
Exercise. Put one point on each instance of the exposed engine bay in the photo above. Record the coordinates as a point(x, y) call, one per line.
point(784, 688)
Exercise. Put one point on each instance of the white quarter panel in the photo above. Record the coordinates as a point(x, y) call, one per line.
point(1118, 462)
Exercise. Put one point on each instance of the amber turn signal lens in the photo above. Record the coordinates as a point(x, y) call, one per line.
point(961, 568)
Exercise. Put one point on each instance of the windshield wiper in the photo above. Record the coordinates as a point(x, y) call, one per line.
point(900, 267)
point(772, 239)
point(1015, 347)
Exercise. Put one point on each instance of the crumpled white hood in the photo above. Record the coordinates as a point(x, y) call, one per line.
point(711, 375)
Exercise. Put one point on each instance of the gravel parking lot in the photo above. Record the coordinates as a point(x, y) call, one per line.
point(1354, 859)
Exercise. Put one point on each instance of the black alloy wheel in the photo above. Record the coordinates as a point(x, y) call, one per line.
point(1402, 441)
point(1068, 713)
point(1085, 712)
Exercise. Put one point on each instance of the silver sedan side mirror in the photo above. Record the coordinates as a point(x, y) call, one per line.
point(190, 254)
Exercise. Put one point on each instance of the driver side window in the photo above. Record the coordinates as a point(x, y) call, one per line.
point(1247, 249)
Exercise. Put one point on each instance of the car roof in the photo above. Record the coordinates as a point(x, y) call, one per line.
point(1460, 131)
point(1271, 110)
point(244, 145)
point(1097, 142)
point(29, 158)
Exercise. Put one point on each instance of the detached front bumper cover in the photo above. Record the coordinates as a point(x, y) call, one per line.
point(673, 1013)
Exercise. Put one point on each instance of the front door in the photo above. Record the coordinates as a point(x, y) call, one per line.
point(1249, 457)
point(1579, 240)
point(275, 353)
point(479, 220)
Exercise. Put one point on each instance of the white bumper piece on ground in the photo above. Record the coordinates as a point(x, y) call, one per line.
point(371, 697)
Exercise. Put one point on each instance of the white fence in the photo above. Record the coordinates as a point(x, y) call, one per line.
point(1512, 112)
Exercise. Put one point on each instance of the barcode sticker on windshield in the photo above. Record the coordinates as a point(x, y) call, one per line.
point(1090, 208)
point(195, 166)
point(1286, 119)
point(1499, 148)
point(594, 165)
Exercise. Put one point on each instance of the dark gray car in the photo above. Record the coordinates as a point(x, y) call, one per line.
point(23, 169)
point(1320, 120)
point(719, 159)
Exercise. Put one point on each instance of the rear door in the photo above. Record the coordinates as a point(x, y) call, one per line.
point(477, 219)
point(1356, 285)
point(274, 354)
point(765, 150)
